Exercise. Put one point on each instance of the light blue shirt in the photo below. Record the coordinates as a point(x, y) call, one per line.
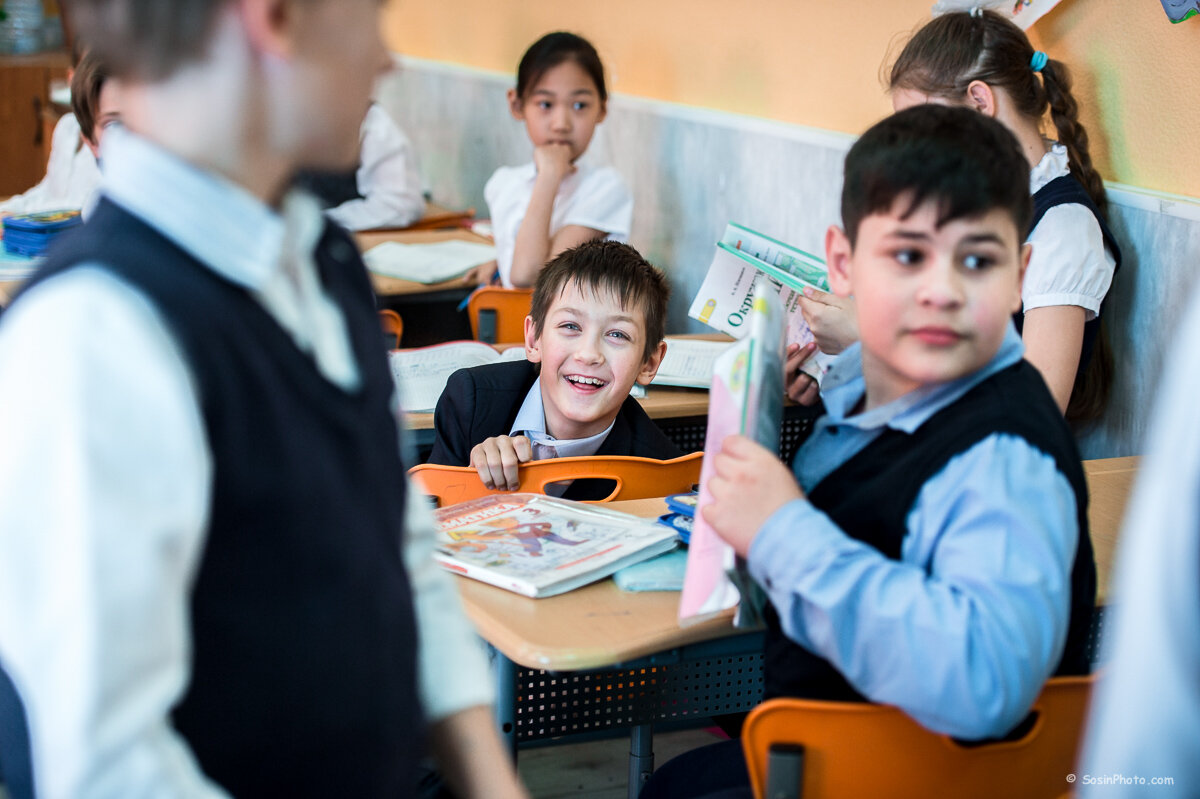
point(962, 631)
point(531, 422)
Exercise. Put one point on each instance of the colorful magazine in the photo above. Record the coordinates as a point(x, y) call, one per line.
point(541, 546)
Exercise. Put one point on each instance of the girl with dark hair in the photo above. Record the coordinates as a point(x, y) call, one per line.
point(554, 202)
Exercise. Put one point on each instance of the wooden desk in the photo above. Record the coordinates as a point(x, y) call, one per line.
point(387, 287)
point(1110, 481)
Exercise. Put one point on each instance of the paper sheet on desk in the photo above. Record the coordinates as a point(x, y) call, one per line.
point(427, 263)
point(422, 373)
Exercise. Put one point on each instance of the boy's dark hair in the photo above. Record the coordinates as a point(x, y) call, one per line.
point(86, 84)
point(967, 163)
point(145, 39)
point(553, 49)
point(606, 267)
point(947, 53)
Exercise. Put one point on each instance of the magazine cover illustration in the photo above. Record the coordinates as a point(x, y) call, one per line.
point(541, 546)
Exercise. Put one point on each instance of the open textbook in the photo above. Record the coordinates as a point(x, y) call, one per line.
point(540, 546)
point(422, 373)
point(747, 398)
point(723, 301)
point(689, 362)
point(427, 263)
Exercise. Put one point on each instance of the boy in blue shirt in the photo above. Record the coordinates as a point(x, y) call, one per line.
point(594, 329)
point(205, 501)
point(931, 550)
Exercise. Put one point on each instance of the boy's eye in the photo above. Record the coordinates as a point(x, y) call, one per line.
point(976, 261)
point(569, 326)
point(620, 334)
point(908, 257)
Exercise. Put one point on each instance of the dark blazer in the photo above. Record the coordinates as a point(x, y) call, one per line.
point(483, 401)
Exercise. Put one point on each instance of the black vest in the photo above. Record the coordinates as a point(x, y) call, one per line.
point(1065, 190)
point(331, 188)
point(870, 495)
point(303, 636)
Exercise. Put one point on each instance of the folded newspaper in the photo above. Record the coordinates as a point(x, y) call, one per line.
point(747, 398)
point(540, 546)
point(723, 301)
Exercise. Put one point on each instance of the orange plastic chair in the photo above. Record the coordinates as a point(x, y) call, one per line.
point(635, 478)
point(498, 315)
point(393, 327)
point(847, 749)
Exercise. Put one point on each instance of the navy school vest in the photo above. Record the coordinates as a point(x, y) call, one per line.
point(303, 635)
point(870, 496)
point(1065, 190)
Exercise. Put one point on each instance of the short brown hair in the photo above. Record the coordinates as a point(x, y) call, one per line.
point(145, 39)
point(86, 84)
point(606, 266)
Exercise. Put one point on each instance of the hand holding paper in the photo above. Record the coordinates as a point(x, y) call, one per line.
point(749, 483)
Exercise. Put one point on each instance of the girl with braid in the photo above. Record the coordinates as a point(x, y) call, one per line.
point(983, 61)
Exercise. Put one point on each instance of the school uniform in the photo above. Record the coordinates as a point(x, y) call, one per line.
point(385, 189)
point(200, 389)
point(1075, 255)
point(940, 561)
point(72, 175)
point(594, 197)
point(486, 401)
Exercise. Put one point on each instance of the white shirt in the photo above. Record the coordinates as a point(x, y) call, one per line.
point(1145, 716)
point(106, 478)
point(72, 175)
point(594, 197)
point(388, 178)
point(1069, 264)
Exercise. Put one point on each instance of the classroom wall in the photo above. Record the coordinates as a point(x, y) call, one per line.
point(818, 63)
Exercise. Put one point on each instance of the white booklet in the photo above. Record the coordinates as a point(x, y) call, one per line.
point(689, 362)
point(427, 263)
point(723, 301)
point(541, 546)
point(422, 373)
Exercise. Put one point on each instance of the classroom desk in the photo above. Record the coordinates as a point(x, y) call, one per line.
point(599, 658)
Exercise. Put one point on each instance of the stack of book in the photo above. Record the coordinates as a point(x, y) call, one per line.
point(30, 234)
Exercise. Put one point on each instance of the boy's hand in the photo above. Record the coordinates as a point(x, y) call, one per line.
point(800, 387)
point(831, 319)
point(496, 460)
point(750, 483)
point(553, 161)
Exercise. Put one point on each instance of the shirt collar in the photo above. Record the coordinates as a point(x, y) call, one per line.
point(844, 387)
point(213, 219)
point(531, 421)
point(1054, 164)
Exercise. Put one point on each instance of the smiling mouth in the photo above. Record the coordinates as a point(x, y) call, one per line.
point(586, 382)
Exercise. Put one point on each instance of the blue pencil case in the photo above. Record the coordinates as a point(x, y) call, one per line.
point(31, 234)
point(684, 503)
point(679, 522)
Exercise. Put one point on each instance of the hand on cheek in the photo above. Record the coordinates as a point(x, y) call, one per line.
point(748, 485)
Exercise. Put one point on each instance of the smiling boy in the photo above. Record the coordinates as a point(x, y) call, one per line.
point(931, 550)
point(595, 329)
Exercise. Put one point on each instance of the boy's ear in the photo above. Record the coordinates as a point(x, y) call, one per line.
point(981, 97)
point(1023, 265)
point(514, 105)
point(837, 259)
point(268, 24)
point(533, 349)
point(650, 365)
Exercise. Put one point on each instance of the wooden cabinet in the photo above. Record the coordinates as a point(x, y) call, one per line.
point(26, 119)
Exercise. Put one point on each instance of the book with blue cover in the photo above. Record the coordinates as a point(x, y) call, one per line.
point(30, 234)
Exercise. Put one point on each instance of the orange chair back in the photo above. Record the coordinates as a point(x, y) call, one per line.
point(393, 327)
point(508, 308)
point(853, 749)
point(635, 478)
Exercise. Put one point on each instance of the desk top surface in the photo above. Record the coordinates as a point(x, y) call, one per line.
point(600, 625)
